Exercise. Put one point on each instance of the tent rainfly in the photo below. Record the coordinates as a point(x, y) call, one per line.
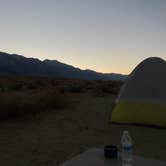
point(142, 99)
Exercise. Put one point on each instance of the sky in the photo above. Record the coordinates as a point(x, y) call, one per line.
point(103, 35)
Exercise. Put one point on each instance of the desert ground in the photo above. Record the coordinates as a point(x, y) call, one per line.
point(55, 135)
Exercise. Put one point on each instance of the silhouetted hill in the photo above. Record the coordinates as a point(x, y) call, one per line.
point(12, 64)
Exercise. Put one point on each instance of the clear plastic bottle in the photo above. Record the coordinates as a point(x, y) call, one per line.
point(127, 149)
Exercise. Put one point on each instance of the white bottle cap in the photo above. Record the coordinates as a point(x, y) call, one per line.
point(125, 132)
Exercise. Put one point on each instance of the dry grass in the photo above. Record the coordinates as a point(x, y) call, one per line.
point(22, 95)
point(14, 104)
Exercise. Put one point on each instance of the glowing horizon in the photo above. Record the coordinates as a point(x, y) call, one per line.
point(106, 36)
point(76, 65)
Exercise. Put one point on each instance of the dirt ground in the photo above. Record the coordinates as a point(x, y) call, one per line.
point(55, 136)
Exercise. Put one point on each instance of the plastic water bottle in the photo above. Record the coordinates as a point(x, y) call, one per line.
point(127, 149)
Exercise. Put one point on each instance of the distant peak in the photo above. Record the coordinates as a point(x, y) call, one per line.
point(54, 61)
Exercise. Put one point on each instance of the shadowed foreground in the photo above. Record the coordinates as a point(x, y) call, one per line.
point(54, 136)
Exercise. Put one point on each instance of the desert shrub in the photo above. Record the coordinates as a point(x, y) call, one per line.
point(109, 87)
point(77, 89)
point(15, 87)
point(10, 104)
point(51, 99)
point(14, 104)
point(31, 86)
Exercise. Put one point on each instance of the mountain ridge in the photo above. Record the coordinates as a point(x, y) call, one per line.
point(14, 64)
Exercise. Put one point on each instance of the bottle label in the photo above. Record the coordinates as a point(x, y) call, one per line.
point(127, 148)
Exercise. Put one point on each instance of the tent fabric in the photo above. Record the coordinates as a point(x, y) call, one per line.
point(142, 100)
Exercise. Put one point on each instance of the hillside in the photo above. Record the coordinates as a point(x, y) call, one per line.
point(13, 64)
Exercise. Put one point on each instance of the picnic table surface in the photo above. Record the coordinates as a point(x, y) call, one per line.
point(95, 157)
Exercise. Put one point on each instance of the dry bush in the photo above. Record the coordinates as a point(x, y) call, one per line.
point(51, 99)
point(77, 89)
point(107, 87)
point(14, 104)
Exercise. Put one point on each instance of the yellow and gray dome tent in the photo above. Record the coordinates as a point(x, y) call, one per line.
point(142, 99)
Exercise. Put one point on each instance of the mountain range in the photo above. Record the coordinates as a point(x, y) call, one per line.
point(13, 64)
